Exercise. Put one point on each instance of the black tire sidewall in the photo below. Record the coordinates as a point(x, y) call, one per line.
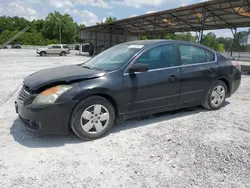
point(77, 112)
point(42, 53)
point(209, 102)
point(63, 53)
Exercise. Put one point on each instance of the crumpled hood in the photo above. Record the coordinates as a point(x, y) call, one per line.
point(67, 73)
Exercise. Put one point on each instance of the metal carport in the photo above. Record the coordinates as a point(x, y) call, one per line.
point(210, 15)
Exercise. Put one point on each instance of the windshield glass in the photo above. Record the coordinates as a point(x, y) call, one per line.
point(113, 57)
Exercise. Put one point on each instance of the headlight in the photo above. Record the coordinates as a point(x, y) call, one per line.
point(50, 95)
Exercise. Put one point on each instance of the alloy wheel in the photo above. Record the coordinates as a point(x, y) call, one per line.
point(218, 95)
point(94, 119)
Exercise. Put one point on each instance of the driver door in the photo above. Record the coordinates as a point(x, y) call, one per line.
point(159, 86)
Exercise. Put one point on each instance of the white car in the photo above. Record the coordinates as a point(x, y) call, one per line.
point(60, 49)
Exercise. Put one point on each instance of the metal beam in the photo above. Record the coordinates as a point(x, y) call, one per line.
point(95, 42)
point(178, 18)
point(234, 35)
point(203, 23)
point(232, 26)
point(125, 32)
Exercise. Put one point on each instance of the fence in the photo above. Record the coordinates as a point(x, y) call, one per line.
point(239, 56)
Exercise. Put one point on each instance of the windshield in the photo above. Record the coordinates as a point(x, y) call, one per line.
point(113, 57)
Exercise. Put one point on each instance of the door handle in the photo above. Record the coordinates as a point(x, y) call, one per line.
point(172, 78)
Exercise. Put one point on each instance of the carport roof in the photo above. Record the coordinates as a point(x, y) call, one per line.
point(210, 15)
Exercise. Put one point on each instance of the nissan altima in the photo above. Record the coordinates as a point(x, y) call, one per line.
point(125, 81)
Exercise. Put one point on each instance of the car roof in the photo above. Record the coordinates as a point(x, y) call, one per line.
point(156, 41)
point(151, 42)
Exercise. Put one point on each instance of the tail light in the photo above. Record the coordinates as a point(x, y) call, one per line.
point(237, 65)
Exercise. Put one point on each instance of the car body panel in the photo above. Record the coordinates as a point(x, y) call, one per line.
point(60, 74)
point(152, 89)
point(195, 81)
point(54, 49)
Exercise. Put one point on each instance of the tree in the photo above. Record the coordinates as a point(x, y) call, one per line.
point(108, 20)
point(184, 36)
point(142, 37)
point(211, 41)
point(57, 25)
point(80, 26)
point(227, 42)
point(240, 42)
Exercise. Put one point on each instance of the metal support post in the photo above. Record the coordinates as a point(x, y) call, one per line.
point(110, 39)
point(95, 43)
point(173, 35)
point(154, 29)
point(125, 32)
point(161, 35)
point(203, 23)
point(234, 32)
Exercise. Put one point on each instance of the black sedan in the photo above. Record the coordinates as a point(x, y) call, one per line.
point(126, 81)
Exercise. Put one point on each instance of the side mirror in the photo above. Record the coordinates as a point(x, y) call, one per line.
point(138, 67)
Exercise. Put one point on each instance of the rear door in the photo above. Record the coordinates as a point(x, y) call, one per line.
point(55, 49)
point(198, 70)
point(159, 86)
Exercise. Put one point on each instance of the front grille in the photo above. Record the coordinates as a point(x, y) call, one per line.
point(23, 94)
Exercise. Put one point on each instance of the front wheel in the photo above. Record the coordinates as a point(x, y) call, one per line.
point(216, 96)
point(43, 53)
point(92, 118)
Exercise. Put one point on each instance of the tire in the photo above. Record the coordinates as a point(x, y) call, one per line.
point(43, 53)
point(215, 101)
point(86, 108)
point(63, 54)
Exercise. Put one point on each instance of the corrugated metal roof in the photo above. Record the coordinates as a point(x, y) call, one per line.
point(216, 14)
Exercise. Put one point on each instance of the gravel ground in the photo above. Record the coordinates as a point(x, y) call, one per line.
point(185, 148)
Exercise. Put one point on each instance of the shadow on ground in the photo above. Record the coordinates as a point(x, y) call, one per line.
point(35, 140)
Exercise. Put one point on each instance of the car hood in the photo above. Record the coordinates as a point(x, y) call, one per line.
point(60, 74)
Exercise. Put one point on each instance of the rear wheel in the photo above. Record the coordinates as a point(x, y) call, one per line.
point(216, 96)
point(43, 53)
point(63, 54)
point(92, 118)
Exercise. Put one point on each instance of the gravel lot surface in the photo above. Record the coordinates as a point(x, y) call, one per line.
point(185, 148)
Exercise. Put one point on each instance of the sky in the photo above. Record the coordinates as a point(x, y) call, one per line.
point(91, 11)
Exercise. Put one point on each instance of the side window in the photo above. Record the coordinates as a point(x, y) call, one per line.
point(65, 47)
point(210, 56)
point(56, 47)
point(191, 54)
point(158, 57)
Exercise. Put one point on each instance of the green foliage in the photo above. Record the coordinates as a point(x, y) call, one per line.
point(184, 36)
point(42, 32)
point(13, 23)
point(227, 42)
point(211, 41)
point(142, 38)
point(108, 20)
point(56, 23)
point(28, 38)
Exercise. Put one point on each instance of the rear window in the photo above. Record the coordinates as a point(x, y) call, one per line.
point(192, 54)
point(210, 56)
